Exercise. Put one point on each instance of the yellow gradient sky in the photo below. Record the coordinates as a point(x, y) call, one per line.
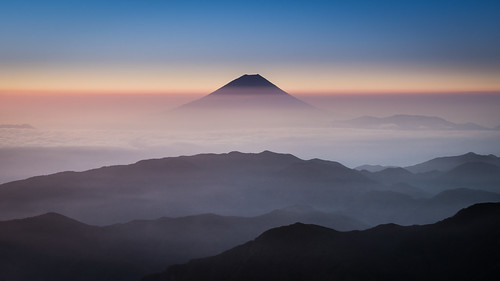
point(312, 46)
point(304, 79)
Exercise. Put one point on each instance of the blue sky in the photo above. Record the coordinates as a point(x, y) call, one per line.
point(78, 48)
point(448, 37)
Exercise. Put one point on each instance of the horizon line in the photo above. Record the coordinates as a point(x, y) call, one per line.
point(199, 92)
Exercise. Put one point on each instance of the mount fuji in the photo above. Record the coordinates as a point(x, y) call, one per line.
point(251, 92)
point(248, 100)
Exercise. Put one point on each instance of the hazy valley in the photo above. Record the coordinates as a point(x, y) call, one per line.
point(71, 208)
point(313, 191)
point(251, 184)
point(462, 247)
point(249, 140)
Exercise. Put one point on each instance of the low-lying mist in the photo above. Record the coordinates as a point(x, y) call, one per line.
point(84, 132)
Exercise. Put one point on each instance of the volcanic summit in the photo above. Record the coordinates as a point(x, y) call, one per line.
point(248, 92)
point(249, 81)
point(249, 99)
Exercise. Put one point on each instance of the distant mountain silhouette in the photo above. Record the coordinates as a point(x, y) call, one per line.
point(406, 208)
point(252, 92)
point(479, 169)
point(249, 81)
point(57, 248)
point(401, 179)
point(444, 164)
point(250, 100)
point(407, 122)
point(471, 171)
point(391, 175)
point(479, 175)
point(463, 247)
point(372, 168)
point(244, 184)
point(233, 183)
point(463, 196)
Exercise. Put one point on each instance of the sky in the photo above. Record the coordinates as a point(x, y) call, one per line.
point(154, 46)
point(96, 79)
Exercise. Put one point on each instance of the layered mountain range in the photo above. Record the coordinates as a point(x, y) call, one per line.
point(248, 184)
point(463, 247)
point(250, 190)
point(55, 247)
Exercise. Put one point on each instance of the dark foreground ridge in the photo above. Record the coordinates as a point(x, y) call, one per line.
point(463, 247)
point(57, 248)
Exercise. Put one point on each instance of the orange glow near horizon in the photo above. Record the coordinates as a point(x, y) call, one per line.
point(185, 80)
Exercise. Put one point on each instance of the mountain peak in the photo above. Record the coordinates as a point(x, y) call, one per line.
point(250, 85)
point(476, 213)
point(247, 101)
point(250, 92)
point(250, 80)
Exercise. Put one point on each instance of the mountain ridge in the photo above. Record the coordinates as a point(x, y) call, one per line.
point(250, 101)
point(462, 247)
point(55, 247)
point(241, 184)
point(249, 81)
point(407, 122)
point(447, 163)
point(248, 92)
point(170, 186)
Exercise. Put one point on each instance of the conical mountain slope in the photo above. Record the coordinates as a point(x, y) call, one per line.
point(250, 100)
point(248, 92)
point(249, 81)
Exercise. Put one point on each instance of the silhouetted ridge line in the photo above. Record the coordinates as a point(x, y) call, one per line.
point(248, 184)
point(249, 99)
point(463, 247)
point(57, 248)
point(477, 213)
point(448, 163)
point(250, 85)
point(250, 80)
point(296, 233)
point(407, 122)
